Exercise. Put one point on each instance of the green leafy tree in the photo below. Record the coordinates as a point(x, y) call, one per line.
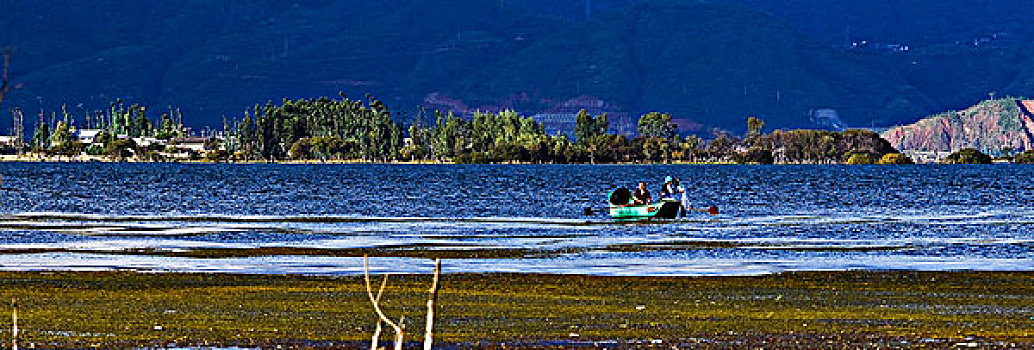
point(64, 142)
point(588, 127)
point(588, 132)
point(168, 129)
point(562, 149)
point(41, 138)
point(657, 125)
point(690, 148)
point(653, 149)
point(61, 134)
point(755, 128)
point(721, 148)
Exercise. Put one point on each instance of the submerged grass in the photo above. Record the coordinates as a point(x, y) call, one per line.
point(106, 308)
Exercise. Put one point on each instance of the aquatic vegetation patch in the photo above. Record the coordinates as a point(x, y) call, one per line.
point(106, 308)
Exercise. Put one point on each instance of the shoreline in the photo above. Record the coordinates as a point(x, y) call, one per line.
point(28, 160)
point(815, 309)
point(103, 159)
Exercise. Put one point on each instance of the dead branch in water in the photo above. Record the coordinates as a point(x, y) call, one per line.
point(375, 342)
point(432, 299)
point(14, 324)
point(399, 336)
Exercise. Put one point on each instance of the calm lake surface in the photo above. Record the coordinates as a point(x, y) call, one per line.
point(774, 218)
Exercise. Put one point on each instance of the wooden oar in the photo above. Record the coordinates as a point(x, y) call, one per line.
point(710, 210)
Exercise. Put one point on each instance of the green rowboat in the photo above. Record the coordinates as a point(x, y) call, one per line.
point(665, 209)
point(620, 209)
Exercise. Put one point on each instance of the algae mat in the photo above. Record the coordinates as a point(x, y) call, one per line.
point(806, 309)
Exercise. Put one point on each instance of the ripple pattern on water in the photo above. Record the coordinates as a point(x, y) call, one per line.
point(321, 218)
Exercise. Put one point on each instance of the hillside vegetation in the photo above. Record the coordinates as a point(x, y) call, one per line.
point(711, 64)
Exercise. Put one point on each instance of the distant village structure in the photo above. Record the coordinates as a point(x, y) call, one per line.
point(182, 148)
point(8, 141)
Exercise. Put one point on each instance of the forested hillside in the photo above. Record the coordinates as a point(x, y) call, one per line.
point(709, 64)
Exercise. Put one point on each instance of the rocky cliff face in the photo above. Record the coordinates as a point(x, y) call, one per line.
point(991, 126)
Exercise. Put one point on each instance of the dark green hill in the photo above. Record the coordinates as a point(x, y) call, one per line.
point(958, 53)
point(914, 22)
point(712, 62)
point(217, 57)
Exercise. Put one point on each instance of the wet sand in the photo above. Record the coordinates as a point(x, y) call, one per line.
point(806, 309)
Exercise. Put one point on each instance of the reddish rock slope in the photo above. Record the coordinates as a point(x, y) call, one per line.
point(990, 126)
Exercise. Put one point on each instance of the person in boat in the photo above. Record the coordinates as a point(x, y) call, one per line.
point(685, 199)
point(641, 196)
point(669, 189)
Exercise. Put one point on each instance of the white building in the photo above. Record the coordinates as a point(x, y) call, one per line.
point(8, 140)
point(87, 136)
point(192, 143)
point(147, 141)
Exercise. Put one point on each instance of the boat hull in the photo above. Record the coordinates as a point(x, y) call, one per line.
point(665, 209)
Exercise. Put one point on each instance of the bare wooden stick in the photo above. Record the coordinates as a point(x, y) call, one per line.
point(14, 324)
point(432, 299)
point(399, 336)
point(376, 341)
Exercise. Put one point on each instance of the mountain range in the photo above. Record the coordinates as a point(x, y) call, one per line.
point(711, 64)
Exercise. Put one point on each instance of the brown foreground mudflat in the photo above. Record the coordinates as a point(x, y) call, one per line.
point(799, 310)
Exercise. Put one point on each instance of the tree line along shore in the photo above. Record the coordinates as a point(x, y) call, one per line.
point(352, 130)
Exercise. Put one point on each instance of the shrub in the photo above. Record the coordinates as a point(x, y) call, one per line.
point(1027, 157)
point(861, 159)
point(96, 150)
point(968, 156)
point(300, 150)
point(895, 159)
point(755, 156)
point(217, 156)
point(121, 149)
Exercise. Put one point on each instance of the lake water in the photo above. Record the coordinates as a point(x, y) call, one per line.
point(773, 218)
